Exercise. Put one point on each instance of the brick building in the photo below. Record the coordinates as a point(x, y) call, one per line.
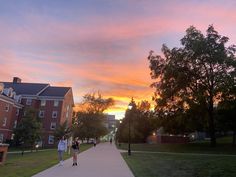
point(9, 112)
point(54, 105)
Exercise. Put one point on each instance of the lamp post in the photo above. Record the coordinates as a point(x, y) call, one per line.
point(130, 108)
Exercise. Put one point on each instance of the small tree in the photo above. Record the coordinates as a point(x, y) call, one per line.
point(141, 123)
point(90, 121)
point(28, 130)
point(62, 130)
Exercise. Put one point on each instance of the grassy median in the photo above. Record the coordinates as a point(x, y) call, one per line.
point(180, 165)
point(195, 159)
point(32, 163)
point(223, 146)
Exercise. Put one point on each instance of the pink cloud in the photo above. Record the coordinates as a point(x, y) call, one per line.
point(102, 53)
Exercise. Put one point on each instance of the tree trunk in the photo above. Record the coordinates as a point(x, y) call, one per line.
point(212, 125)
point(234, 139)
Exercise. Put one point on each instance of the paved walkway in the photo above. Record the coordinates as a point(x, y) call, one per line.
point(104, 160)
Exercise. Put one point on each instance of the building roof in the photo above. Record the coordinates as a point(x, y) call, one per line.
point(55, 91)
point(26, 88)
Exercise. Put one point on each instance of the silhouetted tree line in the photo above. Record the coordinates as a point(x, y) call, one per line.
point(142, 123)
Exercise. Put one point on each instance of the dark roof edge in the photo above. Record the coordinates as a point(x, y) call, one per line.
point(48, 85)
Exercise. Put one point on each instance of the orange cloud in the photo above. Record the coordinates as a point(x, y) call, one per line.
point(100, 52)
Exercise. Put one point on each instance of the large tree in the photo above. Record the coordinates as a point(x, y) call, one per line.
point(194, 75)
point(90, 120)
point(28, 130)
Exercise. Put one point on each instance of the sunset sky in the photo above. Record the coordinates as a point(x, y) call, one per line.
point(100, 45)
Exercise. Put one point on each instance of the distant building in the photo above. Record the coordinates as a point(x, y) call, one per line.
point(54, 106)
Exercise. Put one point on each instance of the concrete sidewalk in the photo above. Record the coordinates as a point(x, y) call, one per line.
point(104, 160)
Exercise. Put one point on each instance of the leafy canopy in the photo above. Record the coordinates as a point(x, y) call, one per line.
point(197, 75)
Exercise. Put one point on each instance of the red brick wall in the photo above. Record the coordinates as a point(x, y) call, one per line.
point(11, 117)
point(49, 108)
point(68, 101)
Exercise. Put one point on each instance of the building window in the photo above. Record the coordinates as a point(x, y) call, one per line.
point(1, 137)
point(15, 124)
point(7, 108)
point(29, 102)
point(41, 114)
point(17, 111)
point(50, 139)
point(54, 114)
point(4, 123)
point(56, 103)
point(43, 103)
point(68, 107)
point(53, 125)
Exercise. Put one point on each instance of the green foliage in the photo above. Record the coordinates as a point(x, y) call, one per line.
point(28, 130)
point(226, 117)
point(90, 122)
point(62, 130)
point(96, 104)
point(194, 77)
point(90, 125)
point(141, 123)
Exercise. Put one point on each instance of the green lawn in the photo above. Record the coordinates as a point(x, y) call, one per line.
point(223, 147)
point(31, 163)
point(180, 165)
point(150, 164)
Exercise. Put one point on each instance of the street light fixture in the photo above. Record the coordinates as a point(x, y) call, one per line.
point(130, 106)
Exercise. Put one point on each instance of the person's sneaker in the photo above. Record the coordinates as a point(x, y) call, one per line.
point(61, 163)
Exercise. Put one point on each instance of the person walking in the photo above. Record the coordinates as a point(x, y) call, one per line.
point(110, 140)
point(94, 142)
point(75, 151)
point(61, 148)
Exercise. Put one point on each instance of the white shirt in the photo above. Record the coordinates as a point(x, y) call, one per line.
point(62, 145)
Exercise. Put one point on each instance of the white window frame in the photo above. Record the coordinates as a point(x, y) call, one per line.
point(15, 124)
point(1, 137)
point(41, 113)
point(56, 103)
point(28, 101)
point(4, 123)
point(54, 114)
point(43, 103)
point(50, 139)
point(53, 125)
